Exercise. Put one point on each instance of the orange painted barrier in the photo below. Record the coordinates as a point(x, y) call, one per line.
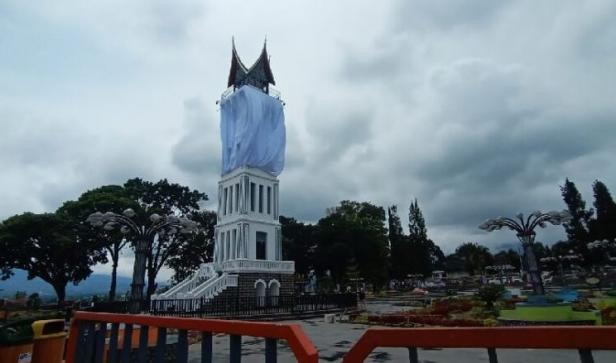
point(302, 347)
point(583, 339)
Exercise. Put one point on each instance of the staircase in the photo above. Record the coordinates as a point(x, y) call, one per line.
point(212, 287)
point(205, 283)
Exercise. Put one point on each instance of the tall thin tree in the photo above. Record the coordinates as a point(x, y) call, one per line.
point(417, 224)
point(397, 244)
point(604, 226)
point(577, 228)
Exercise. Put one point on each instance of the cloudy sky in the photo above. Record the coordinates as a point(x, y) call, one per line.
point(477, 108)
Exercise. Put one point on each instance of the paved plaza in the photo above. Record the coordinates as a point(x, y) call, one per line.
point(333, 340)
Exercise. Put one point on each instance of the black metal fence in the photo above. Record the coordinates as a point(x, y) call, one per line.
point(235, 306)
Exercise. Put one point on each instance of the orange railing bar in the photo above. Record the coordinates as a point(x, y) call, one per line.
point(299, 343)
point(549, 337)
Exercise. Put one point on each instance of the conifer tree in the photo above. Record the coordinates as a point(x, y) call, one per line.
point(397, 244)
point(577, 228)
point(422, 254)
point(417, 224)
point(604, 226)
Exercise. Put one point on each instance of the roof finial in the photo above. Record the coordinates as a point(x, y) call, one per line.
point(264, 45)
point(258, 75)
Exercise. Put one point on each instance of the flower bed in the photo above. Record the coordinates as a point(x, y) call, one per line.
point(608, 315)
point(448, 306)
point(449, 312)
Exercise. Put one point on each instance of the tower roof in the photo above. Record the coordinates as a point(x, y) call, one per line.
point(258, 75)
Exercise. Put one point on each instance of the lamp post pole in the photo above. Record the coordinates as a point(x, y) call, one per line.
point(534, 275)
point(525, 231)
point(136, 287)
point(143, 236)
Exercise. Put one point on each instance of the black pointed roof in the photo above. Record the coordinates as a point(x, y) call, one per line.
point(258, 75)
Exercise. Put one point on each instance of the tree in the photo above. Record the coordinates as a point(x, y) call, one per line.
point(108, 198)
point(454, 263)
point(541, 250)
point(604, 225)
point(298, 243)
point(475, 257)
point(353, 230)
point(577, 228)
point(34, 301)
point(398, 245)
point(196, 249)
point(351, 274)
point(423, 254)
point(47, 246)
point(417, 224)
point(163, 198)
point(509, 257)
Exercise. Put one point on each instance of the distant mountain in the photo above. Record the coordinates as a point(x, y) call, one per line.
point(96, 284)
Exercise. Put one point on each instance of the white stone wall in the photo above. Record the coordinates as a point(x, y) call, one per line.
point(247, 203)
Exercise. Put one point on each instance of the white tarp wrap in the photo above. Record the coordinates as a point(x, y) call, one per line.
point(252, 131)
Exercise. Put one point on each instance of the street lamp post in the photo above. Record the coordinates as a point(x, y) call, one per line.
point(143, 236)
point(525, 231)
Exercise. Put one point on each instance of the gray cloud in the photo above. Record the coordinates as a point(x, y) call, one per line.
point(171, 22)
point(426, 15)
point(198, 150)
point(476, 108)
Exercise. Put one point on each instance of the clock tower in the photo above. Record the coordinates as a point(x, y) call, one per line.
point(247, 257)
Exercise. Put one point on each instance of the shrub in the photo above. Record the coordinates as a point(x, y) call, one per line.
point(490, 322)
point(490, 294)
point(582, 305)
point(34, 302)
point(608, 316)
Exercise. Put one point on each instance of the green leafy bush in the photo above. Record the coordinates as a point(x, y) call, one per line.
point(490, 294)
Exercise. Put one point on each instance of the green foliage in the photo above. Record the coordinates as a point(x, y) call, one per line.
point(108, 198)
point(398, 244)
point(577, 228)
point(490, 294)
point(353, 230)
point(421, 254)
point(47, 246)
point(541, 250)
point(475, 257)
point(195, 250)
point(454, 263)
point(604, 226)
point(351, 275)
point(20, 295)
point(163, 198)
point(417, 224)
point(34, 301)
point(509, 257)
point(298, 243)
